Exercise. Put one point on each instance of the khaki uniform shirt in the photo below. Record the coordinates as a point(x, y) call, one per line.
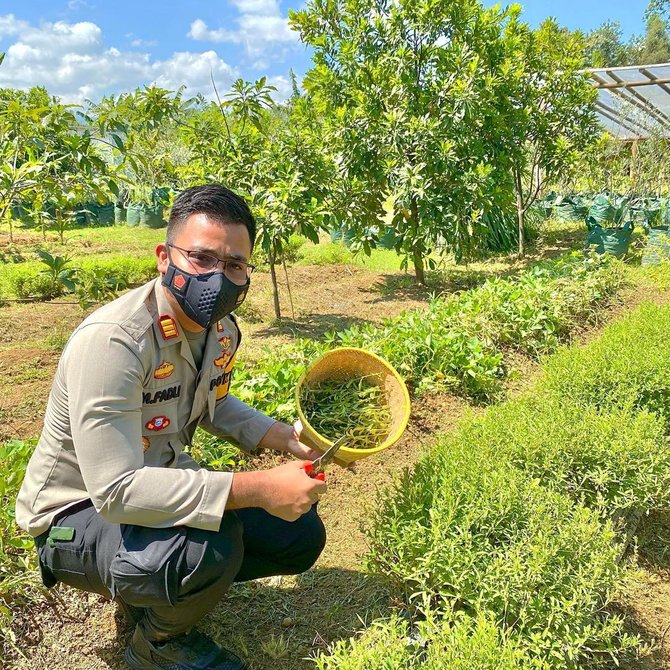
point(126, 399)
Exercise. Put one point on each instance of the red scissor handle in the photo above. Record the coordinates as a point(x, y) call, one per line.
point(308, 466)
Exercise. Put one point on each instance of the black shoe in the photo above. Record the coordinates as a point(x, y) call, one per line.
point(189, 651)
point(132, 614)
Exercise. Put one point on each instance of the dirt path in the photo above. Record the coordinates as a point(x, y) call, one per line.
point(281, 622)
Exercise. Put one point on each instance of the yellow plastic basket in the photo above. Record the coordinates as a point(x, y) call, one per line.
point(342, 364)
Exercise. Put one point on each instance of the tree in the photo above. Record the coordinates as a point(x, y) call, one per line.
point(654, 47)
point(605, 46)
point(141, 131)
point(77, 171)
point(411, 92)
point(22, 151)
point(270, 154)
point(553, 118)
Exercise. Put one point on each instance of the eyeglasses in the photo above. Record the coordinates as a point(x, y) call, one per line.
point(237, 271)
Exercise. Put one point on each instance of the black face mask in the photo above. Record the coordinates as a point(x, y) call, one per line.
point(205, 298)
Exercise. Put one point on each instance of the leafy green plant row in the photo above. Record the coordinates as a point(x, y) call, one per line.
point(35, 280)
point(518, 519)
point(457, 343)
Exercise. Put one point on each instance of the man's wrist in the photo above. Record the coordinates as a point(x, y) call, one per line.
point(248, 489)
point(277, 437)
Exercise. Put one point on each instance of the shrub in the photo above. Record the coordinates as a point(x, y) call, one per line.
point(469, 532)
point(19, 577)
point(629, 364)
point(464, 643)
point(613, 461)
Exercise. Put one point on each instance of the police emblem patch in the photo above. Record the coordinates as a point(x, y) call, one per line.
point(221, 361)
point(157, 423)
point(225, 342)
point(164, 370)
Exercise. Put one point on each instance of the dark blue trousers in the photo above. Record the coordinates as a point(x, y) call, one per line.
point(176, 574)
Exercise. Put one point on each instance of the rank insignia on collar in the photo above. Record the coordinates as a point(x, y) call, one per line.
point(164, 370)
point(219, 327)
point(157, 423)
point(168, 327)
point(145, 443)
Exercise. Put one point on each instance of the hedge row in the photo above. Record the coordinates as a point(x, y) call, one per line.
point(27, 280)
point(518, 519)
point(456, 343)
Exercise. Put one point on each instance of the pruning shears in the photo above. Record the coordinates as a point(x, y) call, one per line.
point(315, 469)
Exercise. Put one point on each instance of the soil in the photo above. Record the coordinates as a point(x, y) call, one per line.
point(281, 622)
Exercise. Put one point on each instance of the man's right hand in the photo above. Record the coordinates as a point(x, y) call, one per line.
point(286, 491)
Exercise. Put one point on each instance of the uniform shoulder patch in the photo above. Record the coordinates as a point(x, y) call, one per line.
point(168, 327)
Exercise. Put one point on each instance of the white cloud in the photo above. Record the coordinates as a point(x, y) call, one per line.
point(263, 7)
point(71, 61)
point(201, 33)
point(140, 43)
point(284, 88)
point(261, 28)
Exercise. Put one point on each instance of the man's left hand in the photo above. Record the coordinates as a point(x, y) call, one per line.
point(282, 437)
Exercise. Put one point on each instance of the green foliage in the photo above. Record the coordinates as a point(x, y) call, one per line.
point(461, 644)
point(456, 343)
point(93, 279)
point(613, 460)
point(628, 366)
point(291, 252)
point(605, 46)
point(97, 286)
point(511, 515)
point(459, 342)
point(213, 453)
point(268, 385)
point(61, 277)
point(19, 578)
point(468, 531)
point(274, 157)
point(552, 117)
point(413, 97)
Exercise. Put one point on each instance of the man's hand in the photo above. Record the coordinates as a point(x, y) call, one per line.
point(290, 491)
point(286, 491)
point(282, 437)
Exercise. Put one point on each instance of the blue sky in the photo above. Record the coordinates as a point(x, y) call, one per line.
point(83, 49)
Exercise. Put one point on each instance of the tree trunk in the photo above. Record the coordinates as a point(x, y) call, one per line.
point(7, 214)
point(521, 213)
point(418, 269)
point(275, 287)
point(416, 256)
point(60, 223)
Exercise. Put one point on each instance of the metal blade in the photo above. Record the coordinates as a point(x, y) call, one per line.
point(328, 455)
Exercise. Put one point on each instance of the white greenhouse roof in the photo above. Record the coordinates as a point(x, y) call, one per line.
point(633, 102)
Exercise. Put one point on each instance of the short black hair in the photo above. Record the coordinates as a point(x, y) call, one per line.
point(217, 202)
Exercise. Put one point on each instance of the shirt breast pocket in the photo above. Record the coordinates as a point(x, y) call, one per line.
point(160, 409)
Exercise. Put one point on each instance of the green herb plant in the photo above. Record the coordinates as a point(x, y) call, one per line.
point(355, 407)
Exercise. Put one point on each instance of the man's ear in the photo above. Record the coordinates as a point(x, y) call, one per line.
point(162, 260)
